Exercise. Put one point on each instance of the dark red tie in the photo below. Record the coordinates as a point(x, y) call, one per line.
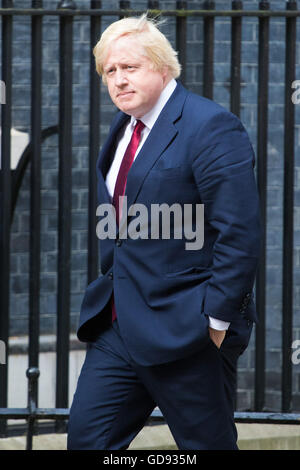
point(122, 178)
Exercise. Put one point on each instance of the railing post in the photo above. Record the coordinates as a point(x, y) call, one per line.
point(35, 187)
point(181, 39)
point(32, 374)
point(65, 204)
point(124, 5)
point(152, 5)
point(262, 158)
point(5, 202)
point(208, 56)
point(94, 145)
point(236, 39)
point(288, 216)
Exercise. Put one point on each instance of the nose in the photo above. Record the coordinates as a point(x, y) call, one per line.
point(120, 77)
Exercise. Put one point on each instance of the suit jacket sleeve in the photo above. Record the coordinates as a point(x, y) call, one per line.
point(224, 174)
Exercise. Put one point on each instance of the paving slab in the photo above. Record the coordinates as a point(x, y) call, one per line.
point(251, 437)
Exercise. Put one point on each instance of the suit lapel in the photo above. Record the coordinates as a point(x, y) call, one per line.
point(161, 135)
point(106, 155)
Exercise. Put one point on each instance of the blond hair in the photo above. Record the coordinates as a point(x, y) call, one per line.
point(157, 47)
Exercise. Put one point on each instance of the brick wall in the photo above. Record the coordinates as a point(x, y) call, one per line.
point(21, 121)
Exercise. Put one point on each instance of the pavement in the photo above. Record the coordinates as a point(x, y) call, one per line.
point(158, 437)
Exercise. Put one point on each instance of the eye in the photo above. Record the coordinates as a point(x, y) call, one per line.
point(109, 71)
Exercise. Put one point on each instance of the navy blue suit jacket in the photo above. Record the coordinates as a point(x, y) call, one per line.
point(196, 153)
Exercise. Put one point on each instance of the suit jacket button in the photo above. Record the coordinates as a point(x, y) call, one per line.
point(111, 276)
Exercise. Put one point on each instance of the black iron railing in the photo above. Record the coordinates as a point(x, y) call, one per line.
point(10, 182)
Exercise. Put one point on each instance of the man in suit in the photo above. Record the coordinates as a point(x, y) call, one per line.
point(165, 325)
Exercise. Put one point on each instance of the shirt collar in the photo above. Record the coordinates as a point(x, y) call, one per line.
point(149, 118)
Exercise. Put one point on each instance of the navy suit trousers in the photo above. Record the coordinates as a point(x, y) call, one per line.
point(115, 396)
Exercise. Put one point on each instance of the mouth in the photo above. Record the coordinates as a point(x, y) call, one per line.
point(124, 94)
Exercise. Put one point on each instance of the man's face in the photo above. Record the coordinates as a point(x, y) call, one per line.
point(133, 86)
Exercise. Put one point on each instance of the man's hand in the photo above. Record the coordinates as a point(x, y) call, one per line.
point(217, 336)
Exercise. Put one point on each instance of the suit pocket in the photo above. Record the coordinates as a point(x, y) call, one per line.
point(199, 272)
point(166, 173)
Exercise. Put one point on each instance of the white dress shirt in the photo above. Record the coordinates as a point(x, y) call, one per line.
point(123, 141)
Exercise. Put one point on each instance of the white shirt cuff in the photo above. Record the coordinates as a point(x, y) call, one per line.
point(217, 324)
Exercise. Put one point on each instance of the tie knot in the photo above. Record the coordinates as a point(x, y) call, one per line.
point(138, 127)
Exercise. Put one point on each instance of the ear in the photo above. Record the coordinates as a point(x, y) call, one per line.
point(166, 74)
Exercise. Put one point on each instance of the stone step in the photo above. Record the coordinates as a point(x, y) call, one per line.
point(158, 437)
